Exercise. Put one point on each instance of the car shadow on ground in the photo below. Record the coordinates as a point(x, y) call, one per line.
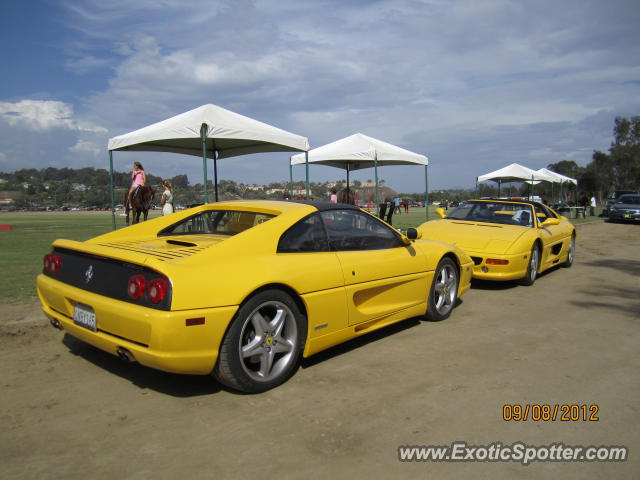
point(362, 341)
point(608, 297)
point(627, 265)
point(143, 377)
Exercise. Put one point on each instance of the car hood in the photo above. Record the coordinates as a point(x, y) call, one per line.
point(474, 236)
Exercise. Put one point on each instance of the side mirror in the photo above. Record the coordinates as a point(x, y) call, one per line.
point(413, 234)
point(550, 221)
point(441, 212)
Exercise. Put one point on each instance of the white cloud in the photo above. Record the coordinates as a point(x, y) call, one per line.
point(38, 115)
point(472, 84)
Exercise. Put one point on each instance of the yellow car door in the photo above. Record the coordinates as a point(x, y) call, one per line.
point(552, 237)
point(382, 275)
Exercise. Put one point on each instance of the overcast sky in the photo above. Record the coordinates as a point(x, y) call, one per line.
point(472, 84)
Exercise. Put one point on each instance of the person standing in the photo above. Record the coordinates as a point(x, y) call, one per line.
point(166, 201)
point(592, 205)
point(138, 178)
point(396, 206)
point(333, 198)
point(390, 210)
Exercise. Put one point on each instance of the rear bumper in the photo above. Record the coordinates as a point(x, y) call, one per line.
point(157, 339)
point(514, 270)
point(624, 217)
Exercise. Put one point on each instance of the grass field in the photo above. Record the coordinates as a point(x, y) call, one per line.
point(23, 247)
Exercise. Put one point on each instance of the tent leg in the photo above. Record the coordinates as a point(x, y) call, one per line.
point(215, 173)
point(290, 179)
point(426, 191)
point(375, 164)
point(203, 136)
point(306, 166)
point(499, 185)
point(113, 197)
point(347, 181)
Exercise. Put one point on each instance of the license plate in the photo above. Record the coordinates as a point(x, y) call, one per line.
point(84, 316)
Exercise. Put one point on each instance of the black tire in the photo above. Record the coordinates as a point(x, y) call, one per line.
point(532, 267)
point(271, 326)
point(572, 252)
point(443, 294)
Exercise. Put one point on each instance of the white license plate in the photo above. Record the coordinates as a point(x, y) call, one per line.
point(84, 316)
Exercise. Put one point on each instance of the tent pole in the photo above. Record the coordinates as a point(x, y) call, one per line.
point(499, 185)
point(203, 136)
point(113, 197)
point(426, 191)
point(347, 181)
point(375, 164)
point(290, 178)
point(476, 186)
point(215, 172)
point(306, 166)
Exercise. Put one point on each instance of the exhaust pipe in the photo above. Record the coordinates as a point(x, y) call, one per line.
point(55, 323)
point(125, 355)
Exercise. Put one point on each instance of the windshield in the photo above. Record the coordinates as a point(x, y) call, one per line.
point(220, 222)
point(630, 199)
point(494, 212)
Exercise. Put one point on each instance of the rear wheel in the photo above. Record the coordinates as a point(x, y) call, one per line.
point(571, 253)
point(262, 347)
point(444, 290)
point(532, 268)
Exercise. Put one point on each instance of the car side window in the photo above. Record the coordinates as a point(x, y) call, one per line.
point(543, 213)
point(354, 230)
point(308, 235)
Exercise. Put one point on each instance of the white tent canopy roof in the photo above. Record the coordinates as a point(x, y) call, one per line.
point(359, 151)
point(559, 177)
point(228, 133)
point(515, 173)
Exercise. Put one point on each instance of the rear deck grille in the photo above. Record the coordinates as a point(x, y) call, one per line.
point(163, 255)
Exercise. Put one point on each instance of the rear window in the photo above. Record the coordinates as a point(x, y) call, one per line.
point(219, 222)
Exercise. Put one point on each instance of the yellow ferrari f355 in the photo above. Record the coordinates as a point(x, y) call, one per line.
point(507, 239)
point(242, 289)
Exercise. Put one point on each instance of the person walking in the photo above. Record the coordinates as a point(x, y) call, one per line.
point(166, 201)
point(592, 205)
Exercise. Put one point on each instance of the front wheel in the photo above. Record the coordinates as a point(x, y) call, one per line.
point(571, 253)
point(263, 344)
point(444, 291)
point(532, 267)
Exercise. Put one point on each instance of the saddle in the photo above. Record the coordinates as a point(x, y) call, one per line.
point(135, 192)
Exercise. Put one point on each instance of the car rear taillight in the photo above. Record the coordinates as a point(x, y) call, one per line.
point(136, 286)
point(157, 289)
point(52, 263)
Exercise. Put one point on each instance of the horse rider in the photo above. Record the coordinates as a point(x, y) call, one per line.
point(138, 178)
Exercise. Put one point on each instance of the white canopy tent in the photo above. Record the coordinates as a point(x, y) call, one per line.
point(514, 173)
point(208, 131)
point(359, 151)
point(559, 178)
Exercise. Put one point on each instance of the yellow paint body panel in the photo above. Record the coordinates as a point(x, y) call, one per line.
point(344, 294)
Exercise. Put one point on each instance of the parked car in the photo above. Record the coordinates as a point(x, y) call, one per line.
point(242, 289)
point(613, 198)
point(507, 239)
point(626, 209)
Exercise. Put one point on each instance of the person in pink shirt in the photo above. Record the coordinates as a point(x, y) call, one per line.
point(138, 178)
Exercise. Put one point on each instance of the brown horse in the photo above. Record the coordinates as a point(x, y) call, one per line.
point(140, 203)
point(346, 195)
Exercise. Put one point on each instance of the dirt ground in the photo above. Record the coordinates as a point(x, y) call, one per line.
point(70, 411)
